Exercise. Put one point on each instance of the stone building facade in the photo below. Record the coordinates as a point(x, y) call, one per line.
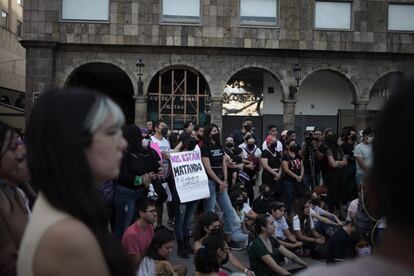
point(217, 45)
point(12, 63)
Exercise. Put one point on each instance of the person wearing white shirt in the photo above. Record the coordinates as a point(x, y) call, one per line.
point(272, 130)
point(304, 228)
point(282, 232)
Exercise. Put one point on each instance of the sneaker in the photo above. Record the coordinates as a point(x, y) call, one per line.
point(235, 246)
point(170, 224)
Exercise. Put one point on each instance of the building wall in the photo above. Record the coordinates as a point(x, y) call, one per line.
point(137, 22)
point(218, 47)
point(12, 54)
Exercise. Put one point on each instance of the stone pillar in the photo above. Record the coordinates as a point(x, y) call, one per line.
point(40, 69)
point(361, 114)
point(141, 110)
point(289, 114)
point(216, 111)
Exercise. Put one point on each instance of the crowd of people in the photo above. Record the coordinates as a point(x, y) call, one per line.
point(102, 188)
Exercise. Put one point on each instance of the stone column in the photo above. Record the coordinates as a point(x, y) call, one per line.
point(141, 110)
point(361, 114)
point(289, 114)
point(40, 69)
point(216, 111)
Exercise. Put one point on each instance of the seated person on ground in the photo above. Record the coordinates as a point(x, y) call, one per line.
point(341, 244)
point(240, 234)
point(352, 209)
point(207, 224)
point(155, 261)
point(264, 249)
point(282, 232)
point(137, 238)
point(324, 221)
point(304, 229)
point(261, 203)
point(212, 254)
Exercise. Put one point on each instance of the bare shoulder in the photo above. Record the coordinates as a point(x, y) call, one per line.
point(68, 248)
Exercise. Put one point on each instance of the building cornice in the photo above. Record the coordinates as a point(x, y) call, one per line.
point(148, 49)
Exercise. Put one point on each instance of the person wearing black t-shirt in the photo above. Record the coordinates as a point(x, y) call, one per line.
point(349, 191)
point(262, 202)
point(215, 164)
point(293, 167)
point(272, 170)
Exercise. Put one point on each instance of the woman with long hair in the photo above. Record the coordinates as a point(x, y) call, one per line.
point(214, 163)
point(155, 262)
point(14, 208)
point(185, 210)
point(209, 258)
point(264, 248)
point(209, 224)
point(74, 143)
point(335, 163)
point(304, 228)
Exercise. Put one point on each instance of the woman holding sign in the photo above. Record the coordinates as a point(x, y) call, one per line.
point(214, 162)
point(186, 210)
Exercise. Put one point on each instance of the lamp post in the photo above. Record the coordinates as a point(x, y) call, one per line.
point(140, 65)
point(140, 98)
point(297, 72)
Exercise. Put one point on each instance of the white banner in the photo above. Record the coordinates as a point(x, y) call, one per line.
point(190, 177)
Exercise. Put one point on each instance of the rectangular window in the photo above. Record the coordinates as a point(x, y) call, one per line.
point(19, 2)
point(333, 15)
point(258, 12)
point(85, 10)
point(183, 11)
point(19, 30)
point(401, 17)
point(4, 20)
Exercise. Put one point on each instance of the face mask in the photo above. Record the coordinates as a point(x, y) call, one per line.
point(164, 131)
point(364, 251)
point(370, 139)
point(239, 203)
point(216, 137)
point(145, 143)
point(215, 231)
point(267, 194)
point(229, 145)
point(294, 148)
point(250, 146)
point(272, 146)
point(248, 127)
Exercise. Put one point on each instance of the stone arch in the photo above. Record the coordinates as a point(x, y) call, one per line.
point(73, 68)
point(166, 66)
point(341, 72)
point(275, 74)
point(382, 75)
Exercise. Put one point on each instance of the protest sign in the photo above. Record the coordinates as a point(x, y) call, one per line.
point(190, 177)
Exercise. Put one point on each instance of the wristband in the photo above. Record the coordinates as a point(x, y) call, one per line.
point(138, 180)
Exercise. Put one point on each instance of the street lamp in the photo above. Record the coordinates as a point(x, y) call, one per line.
point(140, 65)
point(297, 71)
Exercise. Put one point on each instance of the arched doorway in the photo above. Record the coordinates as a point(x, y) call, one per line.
point(110, 80)
point(325, 101)
point(179, 94)
point(256, 93)
point(382, 89)
point(379, 94)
